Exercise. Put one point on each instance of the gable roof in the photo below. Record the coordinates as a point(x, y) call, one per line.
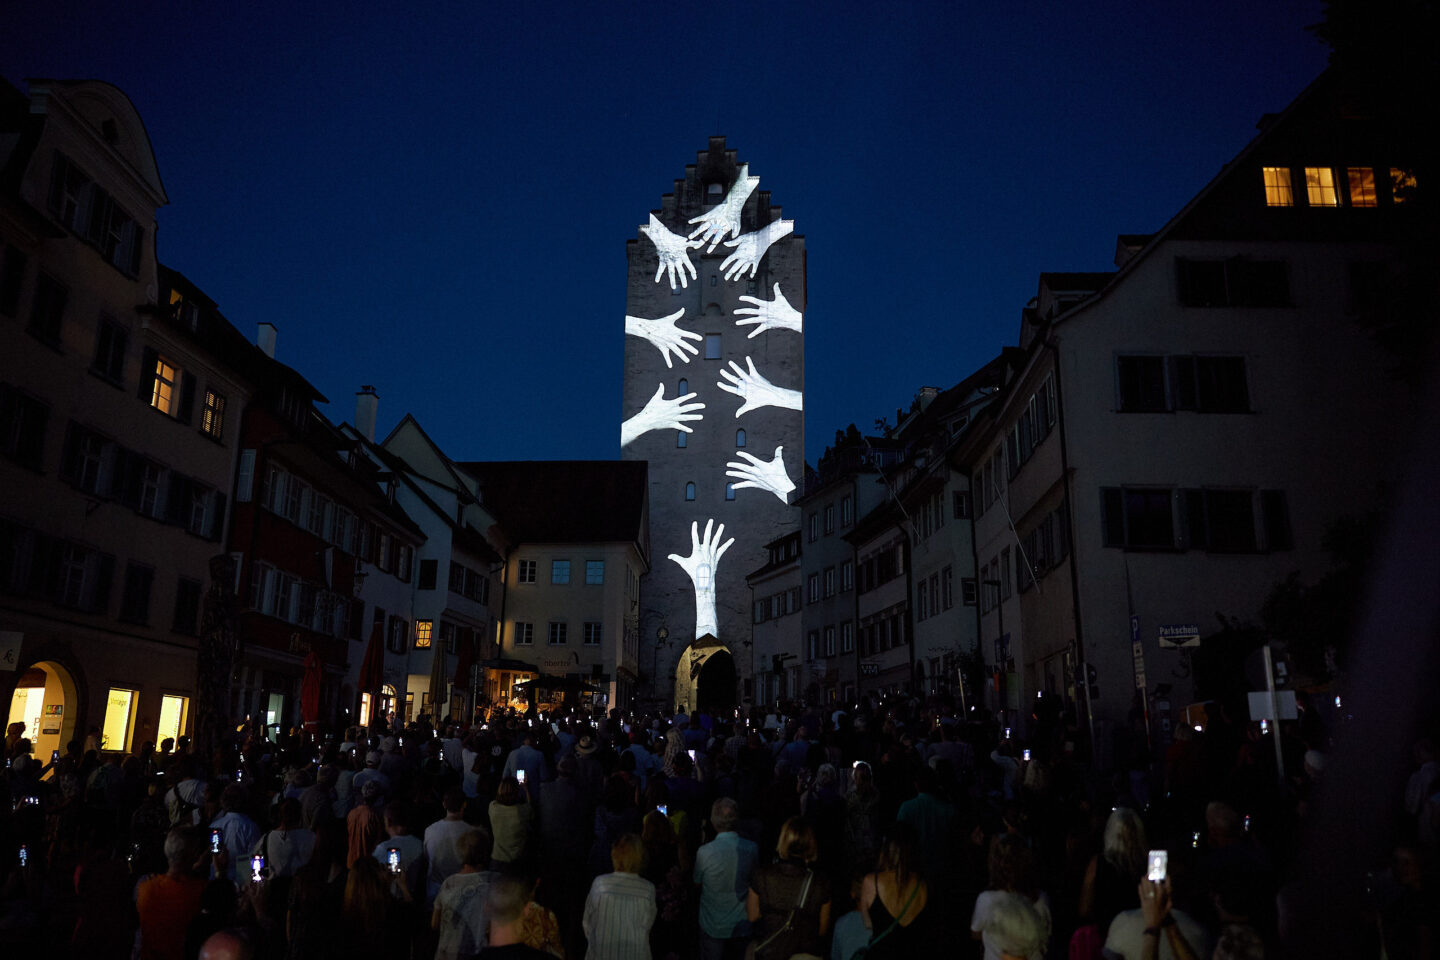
point(564, 501)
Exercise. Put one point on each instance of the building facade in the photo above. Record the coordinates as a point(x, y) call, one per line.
point(715, 298)
point(776, 635)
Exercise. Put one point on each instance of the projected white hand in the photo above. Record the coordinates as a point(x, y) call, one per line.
point(750, 248)
point(762, 474)
point(723, 219)
point(704, 558)
point(774, 314)
point(661, 414)
point(665, 335)
point(756, 391)
point(673, 250)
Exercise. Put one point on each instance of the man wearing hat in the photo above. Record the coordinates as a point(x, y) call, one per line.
point(589, 771)
point(371, 773)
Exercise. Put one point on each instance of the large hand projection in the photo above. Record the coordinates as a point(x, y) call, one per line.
point(750, 248)
point(774, 314)
point(756, 391)
point(762, 474)
point(666, 335)
point(661, 414)
point(705, 554)
point(723, 220)
point(673, 250)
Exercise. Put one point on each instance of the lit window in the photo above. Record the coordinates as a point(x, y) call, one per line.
point(162, 395)
point(690, 491)
point(172, 717)
point(729, 491)
point(1362, 186)
point(212, 418)
point(712, 346)
point(740, 437)
point(594, 571)
point(422, 634)
point(119, 714)
point(1402, 184)
point(1320, 187)
point(560, 571)
point(1277, 187)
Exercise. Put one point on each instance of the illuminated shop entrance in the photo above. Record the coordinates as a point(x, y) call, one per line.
point(45, 701)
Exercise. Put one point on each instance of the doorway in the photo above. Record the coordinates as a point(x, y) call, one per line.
point(46, 702)
point(715, 690)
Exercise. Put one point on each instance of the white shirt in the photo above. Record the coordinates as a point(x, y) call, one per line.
point(444, 859)
point(618, 915)
point(1126, 939)
point(981, 919)
point(286, 851)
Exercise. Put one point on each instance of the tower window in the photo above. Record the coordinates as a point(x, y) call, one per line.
point(680, 438)
point(740, 437)
point(714, 192)
point(683, 387)
point(690, 490)
point(729, 491)
point(712, 346)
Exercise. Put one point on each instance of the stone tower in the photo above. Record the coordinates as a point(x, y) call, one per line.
point(738, 345)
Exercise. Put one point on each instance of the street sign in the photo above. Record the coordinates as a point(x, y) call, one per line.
point(1137, 652)
point(869, 669)
point(1179, 635)
point(1134, 628)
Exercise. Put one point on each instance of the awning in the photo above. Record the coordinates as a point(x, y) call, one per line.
point(563, 684)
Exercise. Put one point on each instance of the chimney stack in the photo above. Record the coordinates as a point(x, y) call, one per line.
point(367, 408)
point(265, 339)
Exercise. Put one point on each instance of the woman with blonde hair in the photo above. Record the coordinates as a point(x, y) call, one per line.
point(1112, 875)
point(789, 901)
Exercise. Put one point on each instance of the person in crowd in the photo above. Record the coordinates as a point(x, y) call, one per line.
point(318, 801)
point(565, 818)
point(1111, 876)
point(219, 903)
point(621, 906)
point(1014, 928)
point(789, 901)
point(317, 896)
point(512, 818)
point(539, 927)
point(851, 933)
point(238, 833)
point(167, 902)
point(371, 773)
point(373, 919)
point(862, 819)
point(894, 898)
point(505, 904)
point(1155, 930)
point(441, 850)
point(288, 847)
point(104, 908)
point(529, 758)
point(723, 868)
point(398, 838)
point(1011, 866)
point(365, 825)
point(615, 816)
point(458, 915)
point(936, 823)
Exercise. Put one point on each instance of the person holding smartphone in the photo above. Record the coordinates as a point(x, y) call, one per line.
point(1137, 934)
point(167, 902)
point(512, 818)
point(239, 831)
point(407, 847)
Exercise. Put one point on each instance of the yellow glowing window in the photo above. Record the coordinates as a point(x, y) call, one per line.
point(1320, 187)
point(119, 714)
point(1277, 187)
point(172, 718)
point(212, 418)
point(1402, 184)
point(162, 397)
point(1362, 186)
point(422, 634)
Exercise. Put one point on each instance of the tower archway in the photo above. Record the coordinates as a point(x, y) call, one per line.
point(706, 675)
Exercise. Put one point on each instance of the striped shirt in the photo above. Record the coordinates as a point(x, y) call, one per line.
point(618, 915)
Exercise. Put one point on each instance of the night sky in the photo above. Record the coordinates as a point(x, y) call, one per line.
point(437, 203)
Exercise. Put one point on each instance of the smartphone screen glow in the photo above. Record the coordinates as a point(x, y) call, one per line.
point(1159, 861)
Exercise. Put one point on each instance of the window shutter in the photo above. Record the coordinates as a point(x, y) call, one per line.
point(148, 359)
point(245, 476)
point(1112, 511)
point(217, 516)
point(104, 576)
point(187, 396)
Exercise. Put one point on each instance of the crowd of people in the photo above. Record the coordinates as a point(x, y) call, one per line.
point(894, 829)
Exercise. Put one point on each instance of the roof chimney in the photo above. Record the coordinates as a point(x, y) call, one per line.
point(265, 339)
point(367, 408)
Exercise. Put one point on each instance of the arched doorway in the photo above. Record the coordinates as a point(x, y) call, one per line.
point(715, 687)
point(45, 701)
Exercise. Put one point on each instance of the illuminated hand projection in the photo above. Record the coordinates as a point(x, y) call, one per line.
point(705, 554)
point(762, 474)
point(723, 220)
point(756, 391)
point(666, 336)
point(661, 414)
point(774, 314)
point(673, 250)
point(750, 249)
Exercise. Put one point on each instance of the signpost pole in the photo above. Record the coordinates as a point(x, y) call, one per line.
point(1274, 713)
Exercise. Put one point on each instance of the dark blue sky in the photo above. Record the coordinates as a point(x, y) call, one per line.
point(437, 203)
